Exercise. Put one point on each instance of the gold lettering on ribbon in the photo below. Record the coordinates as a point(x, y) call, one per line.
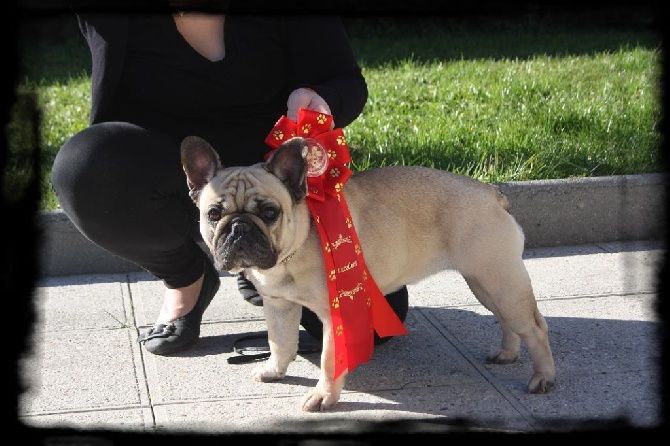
point(352, 292)
point(336, 244)
point(348, 266)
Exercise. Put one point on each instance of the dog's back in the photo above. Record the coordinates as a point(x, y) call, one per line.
point(415, 221)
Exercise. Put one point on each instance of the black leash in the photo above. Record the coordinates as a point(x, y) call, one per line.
point(243, 352)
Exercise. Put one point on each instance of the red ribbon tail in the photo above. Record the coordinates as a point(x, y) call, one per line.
point(358, 309)
point(384, 319)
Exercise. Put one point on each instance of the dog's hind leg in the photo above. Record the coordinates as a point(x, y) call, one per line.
point(511, 342)
point(544, 378)
point(509, 296)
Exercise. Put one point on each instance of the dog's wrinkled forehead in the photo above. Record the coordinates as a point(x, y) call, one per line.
point(243, 189)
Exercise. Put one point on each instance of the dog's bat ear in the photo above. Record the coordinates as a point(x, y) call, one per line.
point(200, 162)
point(288, 163)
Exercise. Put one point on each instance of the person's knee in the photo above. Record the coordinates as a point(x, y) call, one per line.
point(91, 162)
point(75, 163)
point(65, 168)
point(87, 168)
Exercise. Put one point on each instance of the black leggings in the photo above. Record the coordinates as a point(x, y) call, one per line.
point(124, 188)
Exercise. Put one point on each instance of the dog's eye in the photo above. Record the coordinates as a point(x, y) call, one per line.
point(269, 214)
point(214, 214)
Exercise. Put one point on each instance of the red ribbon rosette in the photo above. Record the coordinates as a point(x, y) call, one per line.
point(358, 308)
point(328, 152)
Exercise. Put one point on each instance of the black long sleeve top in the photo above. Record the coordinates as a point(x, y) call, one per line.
point(144, 72)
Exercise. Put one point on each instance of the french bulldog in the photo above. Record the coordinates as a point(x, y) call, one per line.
point(412, 222)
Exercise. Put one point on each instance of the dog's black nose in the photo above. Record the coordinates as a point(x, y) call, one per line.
point(239, 227)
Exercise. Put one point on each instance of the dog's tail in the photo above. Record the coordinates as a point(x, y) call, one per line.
point(502, 199)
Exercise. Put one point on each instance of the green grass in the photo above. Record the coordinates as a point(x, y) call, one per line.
point(510, 119)
point(499, 100)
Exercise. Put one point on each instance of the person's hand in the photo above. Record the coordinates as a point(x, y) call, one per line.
point(305, 98)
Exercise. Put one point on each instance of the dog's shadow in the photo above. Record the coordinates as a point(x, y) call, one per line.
point(439, 367)
point(252, 347)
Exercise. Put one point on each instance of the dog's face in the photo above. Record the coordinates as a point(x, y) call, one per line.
point(250, 217)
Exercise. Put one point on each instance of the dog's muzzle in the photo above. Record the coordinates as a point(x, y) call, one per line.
point(242, 244)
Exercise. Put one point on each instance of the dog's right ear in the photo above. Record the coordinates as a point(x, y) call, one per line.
point(200, 162)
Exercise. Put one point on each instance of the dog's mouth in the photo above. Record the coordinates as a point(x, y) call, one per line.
point(242, 245)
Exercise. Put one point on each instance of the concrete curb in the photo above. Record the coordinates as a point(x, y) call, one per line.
point(552, 213)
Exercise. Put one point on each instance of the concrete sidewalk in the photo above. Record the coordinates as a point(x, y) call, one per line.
point(88, 371)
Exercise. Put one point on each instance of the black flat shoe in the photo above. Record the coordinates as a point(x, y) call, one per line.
point(248, 291)
point(180, 334)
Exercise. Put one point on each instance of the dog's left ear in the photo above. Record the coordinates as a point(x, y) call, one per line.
point(200, 162)
point(288, 163)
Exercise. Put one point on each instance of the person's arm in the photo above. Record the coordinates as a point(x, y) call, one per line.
point(323, 60)
point(106, 36)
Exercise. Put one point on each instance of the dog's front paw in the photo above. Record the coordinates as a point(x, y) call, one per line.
point(317, 400)
point(267, 373)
